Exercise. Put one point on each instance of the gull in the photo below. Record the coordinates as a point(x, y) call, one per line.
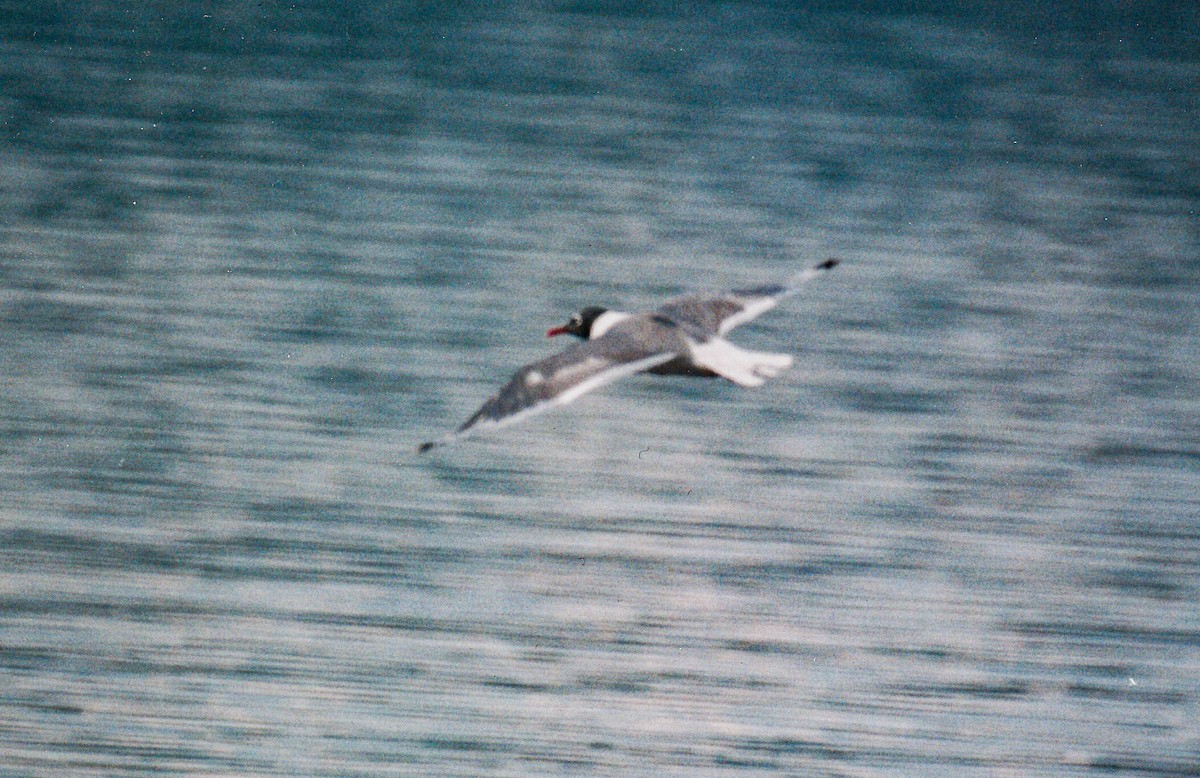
point(683, 336)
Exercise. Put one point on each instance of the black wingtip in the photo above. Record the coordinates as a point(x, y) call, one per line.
point(421, 449)
point(827, 264)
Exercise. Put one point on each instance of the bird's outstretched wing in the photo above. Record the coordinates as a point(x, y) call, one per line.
point(559, 379)
point(718, 314)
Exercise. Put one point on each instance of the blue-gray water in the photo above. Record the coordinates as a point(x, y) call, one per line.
point(253, 253)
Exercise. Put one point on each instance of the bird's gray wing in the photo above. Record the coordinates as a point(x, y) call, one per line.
point(630, 347)
point(720, 313)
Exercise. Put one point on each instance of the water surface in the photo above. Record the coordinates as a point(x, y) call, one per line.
point(252, 256)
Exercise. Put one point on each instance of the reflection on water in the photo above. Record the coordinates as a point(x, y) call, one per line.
point(252, 259)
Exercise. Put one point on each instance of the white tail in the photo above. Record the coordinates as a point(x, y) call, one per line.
point(745, 368)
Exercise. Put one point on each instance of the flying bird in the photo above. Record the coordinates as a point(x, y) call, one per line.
point(684, 336)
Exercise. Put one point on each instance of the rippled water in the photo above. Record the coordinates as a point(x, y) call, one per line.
point(252, 256)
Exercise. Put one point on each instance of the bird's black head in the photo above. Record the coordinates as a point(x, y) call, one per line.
point(580, 324)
